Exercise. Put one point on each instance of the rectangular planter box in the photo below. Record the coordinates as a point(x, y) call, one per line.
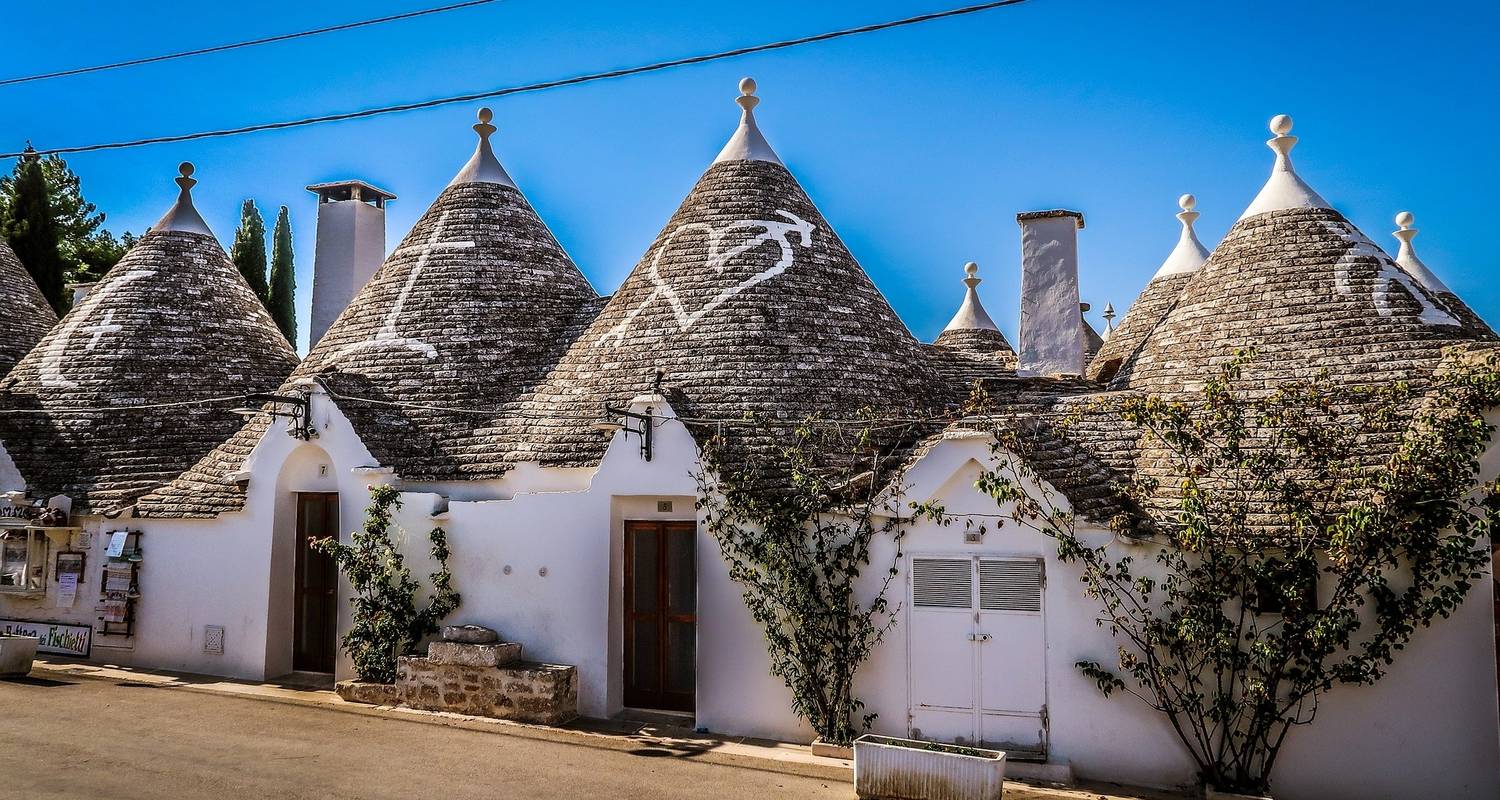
point(16, 655)
point(888, 768)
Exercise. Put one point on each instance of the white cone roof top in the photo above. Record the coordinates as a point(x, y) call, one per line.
point(182, 216)
point(1189, 254)
point(1284, 189)
point(483, 167)
point(747, 143)
point(971, 315)
point(1407, 257)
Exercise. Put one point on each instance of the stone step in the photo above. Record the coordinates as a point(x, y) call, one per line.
point(498, 654)
point(546, 694)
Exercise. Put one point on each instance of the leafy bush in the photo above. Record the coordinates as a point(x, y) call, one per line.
point(387, 622)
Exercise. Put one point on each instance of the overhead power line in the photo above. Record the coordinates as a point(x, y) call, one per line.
point(535, 87)
point(135, 62)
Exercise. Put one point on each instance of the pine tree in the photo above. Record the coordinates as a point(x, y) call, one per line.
point(30, 225)
point(249, 250)
point(282, 302)
point(86, 248)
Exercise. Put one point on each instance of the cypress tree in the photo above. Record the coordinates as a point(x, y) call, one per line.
point(31, 227)
point(282, 303)
point(249, 250)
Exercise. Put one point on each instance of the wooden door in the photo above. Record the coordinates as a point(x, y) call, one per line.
point(315, 629)
point(661, 606)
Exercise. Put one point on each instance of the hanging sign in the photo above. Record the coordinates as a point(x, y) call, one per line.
point(53, 637)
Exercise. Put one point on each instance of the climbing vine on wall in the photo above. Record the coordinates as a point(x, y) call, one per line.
point(1277, 559)
point(796, 522)
point(387, 621)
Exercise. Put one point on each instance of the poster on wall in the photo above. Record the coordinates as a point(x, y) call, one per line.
point(53, 637)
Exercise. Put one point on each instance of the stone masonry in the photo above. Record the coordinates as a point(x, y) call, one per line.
point(487, 680)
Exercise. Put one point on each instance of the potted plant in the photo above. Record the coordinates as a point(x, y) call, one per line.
point(886, 767)
point(16, 654)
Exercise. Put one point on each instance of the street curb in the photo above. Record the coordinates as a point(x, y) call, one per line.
point(710, 753)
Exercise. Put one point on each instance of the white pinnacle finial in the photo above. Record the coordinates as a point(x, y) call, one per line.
point(483, 167)
point(747, 143)
point(971, 315)
point(1109, 317)
point(1284, 189)
point(1407, 258)
point(1189, 254)
point(182, 216)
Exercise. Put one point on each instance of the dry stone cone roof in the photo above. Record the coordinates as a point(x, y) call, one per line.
point(28, 315)
point(1156, 299)
point(467, 313)
point(749, 303)
point(1299, 282)
point(173, 322)
point(1303, 286)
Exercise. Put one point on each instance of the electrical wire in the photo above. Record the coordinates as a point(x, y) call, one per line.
point(135, 62)
point(532, 87)
point(237, 398)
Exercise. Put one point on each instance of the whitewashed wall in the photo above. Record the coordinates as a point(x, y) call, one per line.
point(1429, 729)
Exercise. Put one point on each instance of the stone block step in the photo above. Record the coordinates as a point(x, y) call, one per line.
point(498, 654)
point(546, 694)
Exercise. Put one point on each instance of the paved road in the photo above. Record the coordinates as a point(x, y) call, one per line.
point(116, 741)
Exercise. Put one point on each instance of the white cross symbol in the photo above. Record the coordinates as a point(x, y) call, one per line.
point(387, 334)
point(102, 328)
point(57, 349)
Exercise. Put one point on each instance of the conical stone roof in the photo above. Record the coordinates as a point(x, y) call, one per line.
point(467, 313)
point(1156, 299)
point(749, 303)
point(1406, 257)
point(972, 331)
point(28, 315)
point(103, 408)
point(1308, 290)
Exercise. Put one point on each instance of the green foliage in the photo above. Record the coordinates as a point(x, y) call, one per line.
point(249, 250)
point(84, 249)
point(387, 622)
point(281, 301)
point(795, 525)
point(1283, 560)
point(30, 226)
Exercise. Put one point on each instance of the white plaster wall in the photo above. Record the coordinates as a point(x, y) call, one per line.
point(236, 570)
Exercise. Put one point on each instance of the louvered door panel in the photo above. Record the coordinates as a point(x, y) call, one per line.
point(1012, 655)
point(1010, 585)
point(942, 583)
point(942, 621)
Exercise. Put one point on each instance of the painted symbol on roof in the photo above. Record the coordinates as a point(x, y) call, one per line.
point(1387, 277)
point(388, 335)
point(51, 370)
point(718, 259)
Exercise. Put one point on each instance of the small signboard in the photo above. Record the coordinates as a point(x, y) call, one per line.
point(53, 637)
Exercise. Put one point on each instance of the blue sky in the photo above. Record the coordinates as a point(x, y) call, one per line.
point(919, 145)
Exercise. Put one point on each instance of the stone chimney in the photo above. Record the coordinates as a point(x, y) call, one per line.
point(1052, 341)
point(351, 246)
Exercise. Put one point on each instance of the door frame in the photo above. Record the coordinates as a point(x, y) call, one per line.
point(974, 557)
point(299, 549)
point(664, 700)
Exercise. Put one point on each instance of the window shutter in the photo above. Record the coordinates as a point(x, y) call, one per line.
point(1010, 585)
point(942, 583)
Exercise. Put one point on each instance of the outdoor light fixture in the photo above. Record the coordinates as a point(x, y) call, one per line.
point(610, 424)
point(300, 411)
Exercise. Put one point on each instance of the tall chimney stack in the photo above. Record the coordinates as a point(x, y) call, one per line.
point(351, 246)
point(1051, 339)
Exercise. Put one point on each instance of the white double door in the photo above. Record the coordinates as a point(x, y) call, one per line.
point(978, 652)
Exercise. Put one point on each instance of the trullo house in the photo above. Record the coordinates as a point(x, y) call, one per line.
point(475, 371)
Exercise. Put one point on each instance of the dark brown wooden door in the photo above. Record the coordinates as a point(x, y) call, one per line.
point(661, 622)
point(315, 631)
